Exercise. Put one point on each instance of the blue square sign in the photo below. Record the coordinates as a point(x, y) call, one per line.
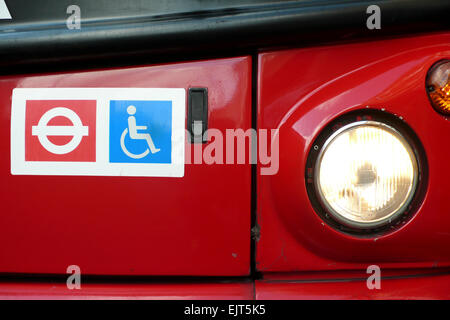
point(140, 131)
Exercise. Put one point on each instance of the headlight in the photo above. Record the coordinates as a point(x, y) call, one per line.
point(365, 174)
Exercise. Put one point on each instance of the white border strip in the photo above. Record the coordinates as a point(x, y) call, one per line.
point(4, 12)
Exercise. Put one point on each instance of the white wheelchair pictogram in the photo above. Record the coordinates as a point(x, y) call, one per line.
point(135, 135)
point(77, 130)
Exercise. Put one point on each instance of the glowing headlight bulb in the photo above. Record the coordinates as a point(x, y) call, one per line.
point(366, 174)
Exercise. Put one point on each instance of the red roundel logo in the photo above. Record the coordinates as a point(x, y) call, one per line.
point(60, 130)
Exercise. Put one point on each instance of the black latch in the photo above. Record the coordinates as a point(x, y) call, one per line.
point(198, 114)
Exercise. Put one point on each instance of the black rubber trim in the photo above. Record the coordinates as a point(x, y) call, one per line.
point(62, 278)
point(183, 27)
point(255, 229)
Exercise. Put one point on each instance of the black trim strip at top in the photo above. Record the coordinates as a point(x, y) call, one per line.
point(179, 28)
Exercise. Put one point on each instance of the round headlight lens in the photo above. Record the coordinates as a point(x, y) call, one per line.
point(366, 174)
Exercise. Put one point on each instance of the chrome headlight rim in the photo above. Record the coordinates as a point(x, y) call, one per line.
point(409, 139)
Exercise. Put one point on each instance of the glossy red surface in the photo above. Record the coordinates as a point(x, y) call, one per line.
point(318, 286)
point(188, 225)
point(431, 287)
point(127, 291)
point(300, 92)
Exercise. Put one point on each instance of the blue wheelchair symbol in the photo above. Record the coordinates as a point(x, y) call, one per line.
point(140, 131)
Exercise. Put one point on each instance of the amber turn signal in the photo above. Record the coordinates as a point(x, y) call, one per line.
point(438, 86)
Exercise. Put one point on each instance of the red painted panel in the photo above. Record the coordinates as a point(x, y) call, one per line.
point(431, 287)
point(126, 291)
point(300, 92)
point(188, 225)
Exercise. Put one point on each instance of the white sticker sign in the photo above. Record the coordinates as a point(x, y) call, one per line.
point(98, 131)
